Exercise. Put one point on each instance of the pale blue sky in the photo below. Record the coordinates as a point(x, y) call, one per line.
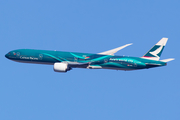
point(36, 92)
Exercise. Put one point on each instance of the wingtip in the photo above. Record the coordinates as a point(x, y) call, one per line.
point(129, 44)
point(165, 37)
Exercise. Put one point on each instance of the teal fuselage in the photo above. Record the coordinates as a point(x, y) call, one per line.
point(82, 60)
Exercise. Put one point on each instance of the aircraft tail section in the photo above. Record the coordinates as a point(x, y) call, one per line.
point(155, 52)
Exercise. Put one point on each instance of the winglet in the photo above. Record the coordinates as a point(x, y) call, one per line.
point(111, 52)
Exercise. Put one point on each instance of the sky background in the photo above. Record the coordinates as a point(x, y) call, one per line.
point(36, 92)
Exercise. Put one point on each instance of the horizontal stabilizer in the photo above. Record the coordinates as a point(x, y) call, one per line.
point(167, 60)
point(111, 52)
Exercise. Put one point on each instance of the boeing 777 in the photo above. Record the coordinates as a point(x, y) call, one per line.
point(65, 61)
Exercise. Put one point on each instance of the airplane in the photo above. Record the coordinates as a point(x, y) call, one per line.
point(65, 61)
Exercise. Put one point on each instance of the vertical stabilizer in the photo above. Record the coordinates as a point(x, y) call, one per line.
point(155, 52)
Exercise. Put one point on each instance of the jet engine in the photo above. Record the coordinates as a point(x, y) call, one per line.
point(61, 67)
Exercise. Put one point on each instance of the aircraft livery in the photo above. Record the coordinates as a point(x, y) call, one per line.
point(65, 61)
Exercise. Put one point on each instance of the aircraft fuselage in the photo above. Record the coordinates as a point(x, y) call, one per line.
point(82, 60)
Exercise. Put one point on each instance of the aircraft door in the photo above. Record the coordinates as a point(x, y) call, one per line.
point(40, 56)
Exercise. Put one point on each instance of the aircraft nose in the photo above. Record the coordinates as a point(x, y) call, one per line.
point(7, 55)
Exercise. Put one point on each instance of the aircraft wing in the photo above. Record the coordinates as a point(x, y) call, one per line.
point(111, 52)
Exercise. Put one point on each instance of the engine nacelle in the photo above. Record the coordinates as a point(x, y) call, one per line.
point(61, 67)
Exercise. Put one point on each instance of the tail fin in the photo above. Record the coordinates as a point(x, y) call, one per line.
point(155, 52)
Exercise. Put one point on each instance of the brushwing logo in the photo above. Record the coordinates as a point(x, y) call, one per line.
point(157, 51)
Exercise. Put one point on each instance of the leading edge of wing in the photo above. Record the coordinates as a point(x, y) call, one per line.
point(111, 52)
